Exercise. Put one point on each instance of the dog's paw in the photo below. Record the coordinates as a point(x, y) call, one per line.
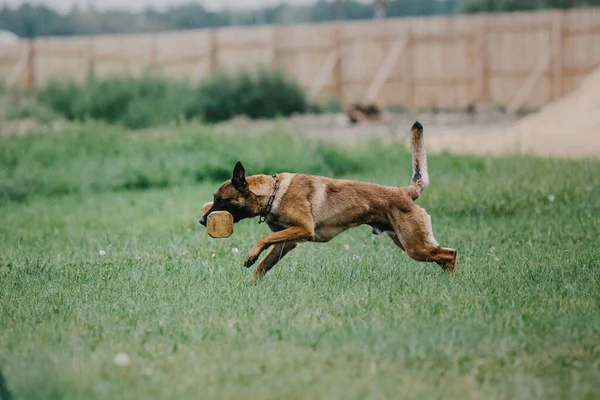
point(252, 256)
point(249, 262)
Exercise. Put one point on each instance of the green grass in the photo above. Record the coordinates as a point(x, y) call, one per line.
point(520, 318)
point(96, 157)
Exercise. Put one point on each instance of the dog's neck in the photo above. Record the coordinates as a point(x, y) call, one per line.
point(262, 187)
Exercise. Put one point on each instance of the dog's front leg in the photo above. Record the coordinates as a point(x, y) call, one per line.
point(276, 253)
point(294, 234)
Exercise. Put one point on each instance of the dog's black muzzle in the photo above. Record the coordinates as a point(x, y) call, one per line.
point(203, 219)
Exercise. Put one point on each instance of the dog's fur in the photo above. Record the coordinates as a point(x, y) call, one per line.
point(317, 209)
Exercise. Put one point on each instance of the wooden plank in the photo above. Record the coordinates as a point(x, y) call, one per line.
point(30, 84)
point(389, 62)
point(410, 55)
point(78, 54)
point(519, 29)
point(65, 53)
point(116, 58)
point(450, 37)
point(282, 51)
point(422, 82)
point(244, 46)
point(91, 68)
point(213, 65)
point(152, 62)
point(557, 62)
point(193, 58)
point(512, 73)
point(447, 81)
point(581, 70)
point(484, 71)
point(532, 79)
point(10, 58)
point(367, 39)
point(581, 32)
point(338, 71)
point(324, 74)
point(17, 70)
point(274, 46)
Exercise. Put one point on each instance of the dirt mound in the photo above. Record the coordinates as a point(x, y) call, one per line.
point(569, 127)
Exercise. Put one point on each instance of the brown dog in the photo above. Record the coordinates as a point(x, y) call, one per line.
point(300, 208)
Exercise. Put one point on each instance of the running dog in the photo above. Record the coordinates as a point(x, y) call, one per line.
point(308, 208)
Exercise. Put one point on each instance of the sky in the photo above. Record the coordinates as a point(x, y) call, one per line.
point(137, 5)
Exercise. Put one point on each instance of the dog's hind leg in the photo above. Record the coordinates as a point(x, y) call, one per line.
point(276, 253)
point(414, 231)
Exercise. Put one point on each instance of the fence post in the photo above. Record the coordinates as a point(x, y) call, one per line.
point(91, 67)
point(30, 84)
point(214, 51)
point(484, 90)
point(557, 64)
point(274, 45)
point(338, 71)
point(153, 62)
point(410, 59)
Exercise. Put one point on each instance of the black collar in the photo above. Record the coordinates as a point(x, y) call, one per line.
point(263, 216)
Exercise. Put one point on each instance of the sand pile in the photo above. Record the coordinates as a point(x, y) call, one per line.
point(569, 127)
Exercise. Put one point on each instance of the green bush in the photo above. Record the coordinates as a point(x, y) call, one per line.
point(98, 157)
point(216, 98)
point(63, 97)
point(133, 102)
point(30, 108)
point(264, 94)
point(151, 100)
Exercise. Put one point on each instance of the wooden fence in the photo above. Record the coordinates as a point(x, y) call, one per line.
point(517, 60)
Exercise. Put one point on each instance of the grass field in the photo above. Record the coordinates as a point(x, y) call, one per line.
point(104, 268)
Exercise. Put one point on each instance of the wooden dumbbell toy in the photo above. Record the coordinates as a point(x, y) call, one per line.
point(219, 224)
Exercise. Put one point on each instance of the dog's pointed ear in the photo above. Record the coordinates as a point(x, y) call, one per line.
point(239, 177)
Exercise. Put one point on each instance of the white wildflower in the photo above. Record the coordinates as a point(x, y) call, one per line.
point(102, 252)
point(346, 246)
point(235, 250)
point(551, 198)
point(122, 359)
point(232, 323)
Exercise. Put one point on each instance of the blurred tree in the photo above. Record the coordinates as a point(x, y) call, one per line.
point(520, 5)
point(29, 20)
point(322, 11)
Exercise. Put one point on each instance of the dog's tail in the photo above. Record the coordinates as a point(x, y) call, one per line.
point(420, 177)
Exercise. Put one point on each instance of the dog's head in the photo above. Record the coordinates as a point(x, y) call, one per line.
point(234, 196)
